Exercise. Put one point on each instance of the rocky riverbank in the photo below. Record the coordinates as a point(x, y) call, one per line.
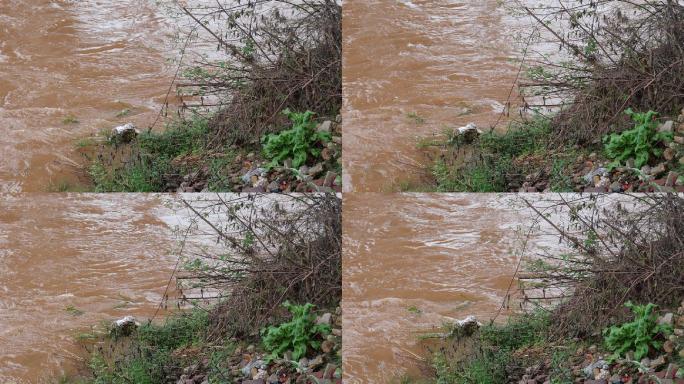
point(179, 160)
point(594, 364)
point(525, 159)
point(250, 364)
point(593, 173)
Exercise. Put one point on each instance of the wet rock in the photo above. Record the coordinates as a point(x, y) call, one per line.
point(468, 133)
point(124, 133)
point(247, 177)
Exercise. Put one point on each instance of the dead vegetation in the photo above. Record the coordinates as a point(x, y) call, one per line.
point(631, 249)
point(613, 55)
point(266, 251)
point(274, 55)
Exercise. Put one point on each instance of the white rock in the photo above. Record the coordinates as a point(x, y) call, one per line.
point(121, 129)
point(470, 320)
point(125, 133)
point(325, 318)
point(468, 128)
point(469, 133)
point(325, 126)
point(667, 126)
point(125, 321)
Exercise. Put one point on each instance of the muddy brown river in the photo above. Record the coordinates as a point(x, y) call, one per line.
point(68, 262)
point(413, 68)
point(63, 61)
point(415, 261)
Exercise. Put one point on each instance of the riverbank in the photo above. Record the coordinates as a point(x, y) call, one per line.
point(180, 159)
point(526, 159)
point(605, 114)
point(261, 305)
point(261, 115)
point(184, 350)
point(526, 350)
point(610, 310)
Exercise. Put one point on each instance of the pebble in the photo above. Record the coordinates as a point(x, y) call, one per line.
point(325, 127)
point(666, 319)
point(667, 126)
point(325, 318)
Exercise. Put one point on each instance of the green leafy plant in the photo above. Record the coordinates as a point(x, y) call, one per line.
point(297, 143)
point(296, 335)
point(637, 335)
point(639, 142)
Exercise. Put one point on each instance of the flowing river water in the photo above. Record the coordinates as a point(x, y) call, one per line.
point(102, 63)
point(413, 68)
point(68, 262)
point(415, 261)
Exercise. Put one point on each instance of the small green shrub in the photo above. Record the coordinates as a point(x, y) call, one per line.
point(637, 335)
point(297, 143)
point(640, 142)
point(296, 335)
